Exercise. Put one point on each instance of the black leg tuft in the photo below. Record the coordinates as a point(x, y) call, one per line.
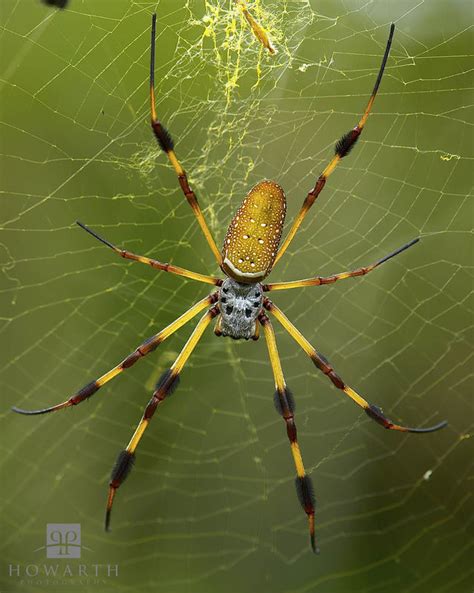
point(122, 468)
point(347, 143)
point(284, 402)
point(305, 492)
point(171, 379)
point(163, 137)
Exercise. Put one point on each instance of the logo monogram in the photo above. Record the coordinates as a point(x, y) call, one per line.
point(63, 540)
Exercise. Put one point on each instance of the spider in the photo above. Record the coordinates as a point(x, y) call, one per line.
point(239, 306)
point(256, 28)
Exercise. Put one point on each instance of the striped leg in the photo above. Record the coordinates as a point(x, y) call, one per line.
point(165, 386)
point(148, 346)
point(342, 149)
point(285, 406)
point(318, 280)
point(153, 262)
point(323, 365)
point(166, 143)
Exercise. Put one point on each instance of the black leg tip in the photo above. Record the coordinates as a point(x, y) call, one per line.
point(434, 428)
point(315, 547)
point(18, 410)
point(107, 522)
point(35, 412)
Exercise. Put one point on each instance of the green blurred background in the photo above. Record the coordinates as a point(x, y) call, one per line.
point(210, 505)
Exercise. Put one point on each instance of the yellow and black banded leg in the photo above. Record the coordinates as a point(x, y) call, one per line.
point(323, 365)
point(319, 280)
point(153, 262)
point(165, 386)
point(342, 149)
point(166, 143)
point(285, 406)
point(148, 346)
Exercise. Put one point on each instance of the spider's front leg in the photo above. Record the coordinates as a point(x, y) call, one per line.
point(166, 143)
point(342, 149)
point(165, 386)
point(285, 406)
point(372, 411)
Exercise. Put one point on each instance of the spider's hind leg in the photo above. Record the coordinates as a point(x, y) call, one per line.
point(166, 385)
point(285, 406)
point(321, 363)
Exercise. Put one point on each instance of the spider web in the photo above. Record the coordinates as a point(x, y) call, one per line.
point(210, 505)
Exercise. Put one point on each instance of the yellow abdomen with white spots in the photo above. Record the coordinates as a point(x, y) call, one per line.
point(253, 236)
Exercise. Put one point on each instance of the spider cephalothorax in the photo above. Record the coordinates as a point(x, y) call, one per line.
point(239, 305)
point(251, 248)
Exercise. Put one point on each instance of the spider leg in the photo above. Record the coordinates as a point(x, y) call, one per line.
point(285, 407)
point(318, 280)
point(256, 335)
point(343, 147)
point(218, 326)
point(145, 348)
point(323, 365)
point(165, 386)
point(166, 143)
point(153, 262)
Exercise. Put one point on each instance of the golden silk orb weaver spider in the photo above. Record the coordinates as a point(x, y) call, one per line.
point(239, 306)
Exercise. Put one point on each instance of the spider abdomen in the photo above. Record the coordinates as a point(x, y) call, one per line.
point(253, 236)
point(239, 305)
